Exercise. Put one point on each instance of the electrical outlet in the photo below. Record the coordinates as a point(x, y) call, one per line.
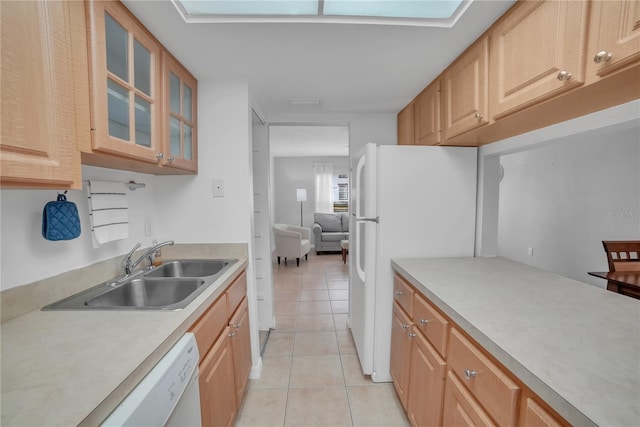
point(218, 188)
point(530, 251)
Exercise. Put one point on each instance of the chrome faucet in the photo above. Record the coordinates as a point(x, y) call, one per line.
point(128, 266)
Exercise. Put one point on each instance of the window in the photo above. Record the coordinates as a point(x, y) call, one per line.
point(341, 193)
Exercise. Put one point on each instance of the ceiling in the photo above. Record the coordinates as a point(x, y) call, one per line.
point(349, 68)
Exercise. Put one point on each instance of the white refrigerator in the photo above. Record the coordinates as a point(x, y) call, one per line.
point(408, 201)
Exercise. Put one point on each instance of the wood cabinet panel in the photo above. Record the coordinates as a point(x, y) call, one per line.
point(466, 90)
point(401, 354)
point(537, 51)
point(614, 36)
point(403, 294)
point(38, 130)
point(179, 118)
point(432, 324)
point(241, 342)
point(426, 384)
point(236, 291)
point(406, 133)
point(495, 391)
point(217, 401)
point(125, 114)
point(534, 415)
point(428, 126)
point(460, 408)
point(208, 327)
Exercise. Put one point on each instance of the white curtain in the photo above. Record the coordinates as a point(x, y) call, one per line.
point(324, 188)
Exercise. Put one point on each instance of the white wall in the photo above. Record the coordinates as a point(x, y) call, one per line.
point(291, 173)
point(563, 199)
point(565, 188)
point(26, 256)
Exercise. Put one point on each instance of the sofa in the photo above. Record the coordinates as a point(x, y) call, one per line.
point(329, 229)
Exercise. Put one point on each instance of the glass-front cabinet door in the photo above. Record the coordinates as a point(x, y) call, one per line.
point(125, 83)
point(180, 118)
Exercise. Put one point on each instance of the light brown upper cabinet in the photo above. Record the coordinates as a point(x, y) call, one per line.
point(125, 83)
point(179, 93)
point(406, 133)
point(615, 36)
point(537, 51)
point(38, 145)
point(428, 126)
point(466, 90)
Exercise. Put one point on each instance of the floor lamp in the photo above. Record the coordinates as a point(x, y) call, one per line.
point(301, 196)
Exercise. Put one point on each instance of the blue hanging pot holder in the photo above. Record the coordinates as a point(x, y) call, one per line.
point(60, 220)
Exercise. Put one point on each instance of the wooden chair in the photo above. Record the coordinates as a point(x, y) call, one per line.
point(622, 255)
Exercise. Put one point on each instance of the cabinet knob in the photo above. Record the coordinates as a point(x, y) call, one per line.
point(405, 326)
point(399, 293)
point(469, 373)
point(564, 75)
point(236, 325)
point(478, 116)
point(231, 334)
point(424, 321)
point(412, 335)
point(171, 159)
point(160, 156)
point(602, 56)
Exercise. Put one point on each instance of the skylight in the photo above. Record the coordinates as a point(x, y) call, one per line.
point(440, 13)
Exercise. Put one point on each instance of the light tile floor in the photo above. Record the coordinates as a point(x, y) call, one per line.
point(311, 374)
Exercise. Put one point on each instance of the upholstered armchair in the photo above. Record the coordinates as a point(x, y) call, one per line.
point(292, 242)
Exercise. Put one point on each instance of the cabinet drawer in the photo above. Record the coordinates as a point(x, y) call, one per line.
point(533, 414)
point(403, 294)
point(486, 382)
point(431, 323)
point(236, 292)
point(208, 327)
point(460, 408)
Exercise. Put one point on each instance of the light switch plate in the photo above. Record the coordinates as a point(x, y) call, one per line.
point(218, 188)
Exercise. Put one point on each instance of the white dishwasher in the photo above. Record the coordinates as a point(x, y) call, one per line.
point(168, 396)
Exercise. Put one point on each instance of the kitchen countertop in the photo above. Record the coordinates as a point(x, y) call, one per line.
point(575, 345)
point(64, 368)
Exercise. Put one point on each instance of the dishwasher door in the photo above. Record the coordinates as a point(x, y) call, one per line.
point(168, 396)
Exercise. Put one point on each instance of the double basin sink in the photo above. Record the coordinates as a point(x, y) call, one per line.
point(171, 286)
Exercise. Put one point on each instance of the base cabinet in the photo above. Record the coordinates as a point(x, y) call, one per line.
point(223, 337)
point(444, 378)
point(426, 384)
point(241, 343)
point(401, 354)
point(217, 401)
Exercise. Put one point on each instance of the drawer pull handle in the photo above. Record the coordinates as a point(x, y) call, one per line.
point(231, 334)
point(469, 374)
point(405, 326)
point(602, 56)
point(478, 116)
point(564, 75)
point(399, 293)
point(424, 321)
point(237, 325)
point(412, 335)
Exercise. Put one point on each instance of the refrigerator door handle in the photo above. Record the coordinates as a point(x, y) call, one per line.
point(358, 256)
point(376, 219)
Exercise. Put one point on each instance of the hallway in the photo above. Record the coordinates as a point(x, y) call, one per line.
point(311, 375)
